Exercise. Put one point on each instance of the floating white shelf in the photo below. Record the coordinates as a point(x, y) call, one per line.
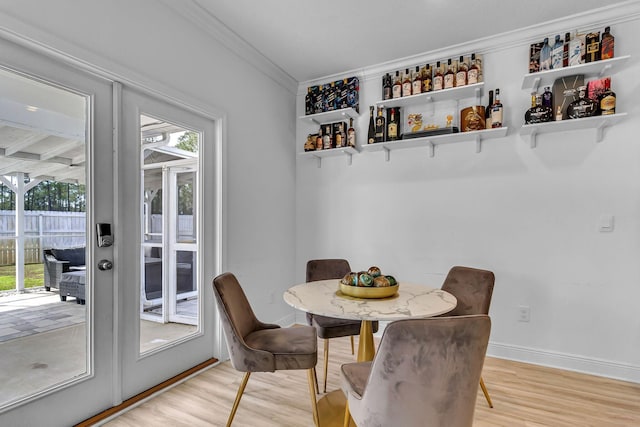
point(598, 68)
point(598, 123)
point(331, 116)
point(333, 152)
point(455, 93)
point(432, 141)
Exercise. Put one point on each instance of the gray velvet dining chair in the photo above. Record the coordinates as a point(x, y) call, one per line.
point(473, 288)
point(425, 374)
point(255, 346)
point(331, 327)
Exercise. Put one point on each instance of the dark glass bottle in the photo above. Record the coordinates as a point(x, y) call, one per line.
point(607, 102)
point(565, 50)
point(327, 138)
point(351, 134)
point(381, 127)
point(547, 97)
point(496, 111)
point(606, 44)
point(592, 45)
point(487, 111)
point(538, 113)
point(583, 106)
point(308, 102)
point(371, 134)
point(386, 87)
point(392, 125)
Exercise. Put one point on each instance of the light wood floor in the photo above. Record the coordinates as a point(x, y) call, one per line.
point(523, 396)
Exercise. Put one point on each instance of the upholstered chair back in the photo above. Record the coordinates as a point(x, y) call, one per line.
point(473, 289)
point(325, 269)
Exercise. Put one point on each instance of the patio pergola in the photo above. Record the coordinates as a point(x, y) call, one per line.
point(43, 131)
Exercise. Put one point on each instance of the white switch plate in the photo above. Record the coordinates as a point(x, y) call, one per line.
point(605, 224)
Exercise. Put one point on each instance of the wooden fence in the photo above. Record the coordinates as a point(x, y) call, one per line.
point(42, 229)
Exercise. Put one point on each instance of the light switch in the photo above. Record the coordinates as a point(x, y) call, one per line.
point(605, 224)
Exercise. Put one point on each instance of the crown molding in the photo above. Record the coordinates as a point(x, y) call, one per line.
point(582, 22)
point(212, 26)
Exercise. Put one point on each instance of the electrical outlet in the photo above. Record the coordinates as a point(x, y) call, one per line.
point(524, 313)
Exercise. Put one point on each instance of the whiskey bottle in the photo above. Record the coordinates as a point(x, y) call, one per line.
point(606, 44)
point(449, 76)
point(576, 49)
point(371, 134)
point(545, 55)
point(473, 71)
point(607, 102)
point(565, 50)
point(381, 128)
point(392, 125)
point(438, 78)
point(592, 42)
point(547, 97)
point(397, 86)
point(461, 75)
point(416, 83)
point(319, 139)
point(340, 137)
point(583, 106)
point(496, 111)
point(556, 53)
point(308, 102)
point(487, 111)
point(538, 113)
point(386, 87)
point(426, 78)
point(327, 138)
point(351, 134)
point(406, 83)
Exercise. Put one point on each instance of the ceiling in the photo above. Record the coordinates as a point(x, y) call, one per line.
point(313, 39)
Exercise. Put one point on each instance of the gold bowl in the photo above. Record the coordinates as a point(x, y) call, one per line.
point(368, 292)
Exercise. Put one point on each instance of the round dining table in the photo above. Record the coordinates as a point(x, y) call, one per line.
point(324, 298)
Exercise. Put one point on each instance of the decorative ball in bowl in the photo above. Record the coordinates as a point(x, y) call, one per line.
point(369, 284)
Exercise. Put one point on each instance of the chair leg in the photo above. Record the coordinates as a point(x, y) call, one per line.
point(353, 349)
point(486, 393)
point(326, 363)
point(312, 392)
point(238, 397)
point(347, 415)
point(315, 378)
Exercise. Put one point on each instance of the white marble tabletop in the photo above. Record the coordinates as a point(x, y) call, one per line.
point(324, 298)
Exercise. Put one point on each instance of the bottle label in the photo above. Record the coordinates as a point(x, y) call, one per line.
point(449, 80)
point(426, 85)
point(393, 131)
point(417, 87)
point(608, 105)
point(406, 89)
point(326, 142)
point(472, 76)
point(460, 78)
point(437, 83)
point(397, 91)
point(496, 117)
point(351, 138)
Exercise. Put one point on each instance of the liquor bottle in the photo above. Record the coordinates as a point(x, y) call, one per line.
point(438, 78)
point(545, 55)
point(487, 111)
point(538, 113)
point(606, 44)
point(340, 137)
point(308, 103)
point(319, 139)
point(327, 138)
point(449, 76)
point(496, 111)
point(426, 79)
point(371, 134)
point(381, 127)
point(351, 134)
point(392, 125)
point(547, 97)
point(556, 53)
point(461, 75)
point(576, 49)
point(319, 103)
point(592, 42)
point(473, 71)
point(583, 106)
point(330, 97)
point(565, 50)
point(607, 102)
point(386, 87)
point(406, 83)
point(397, 86)
point(416, 83)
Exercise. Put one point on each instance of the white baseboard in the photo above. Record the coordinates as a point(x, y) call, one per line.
point(569, 362)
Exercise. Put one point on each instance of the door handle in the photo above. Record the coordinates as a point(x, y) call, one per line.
point(105, 264)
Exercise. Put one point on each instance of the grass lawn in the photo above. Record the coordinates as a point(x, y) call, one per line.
point(33, 276)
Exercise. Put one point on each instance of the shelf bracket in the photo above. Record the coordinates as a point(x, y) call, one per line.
point(431, 148)
point(605, 70)
point(387, 154)
point(349, 159)
point(600, 132)
point(536, 84)
point(532, 139)
point(478, 144)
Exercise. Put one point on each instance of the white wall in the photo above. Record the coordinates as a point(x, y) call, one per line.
point(529, 215)
point(148, 43)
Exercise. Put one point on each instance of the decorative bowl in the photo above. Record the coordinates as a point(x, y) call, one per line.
point(368, 292)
